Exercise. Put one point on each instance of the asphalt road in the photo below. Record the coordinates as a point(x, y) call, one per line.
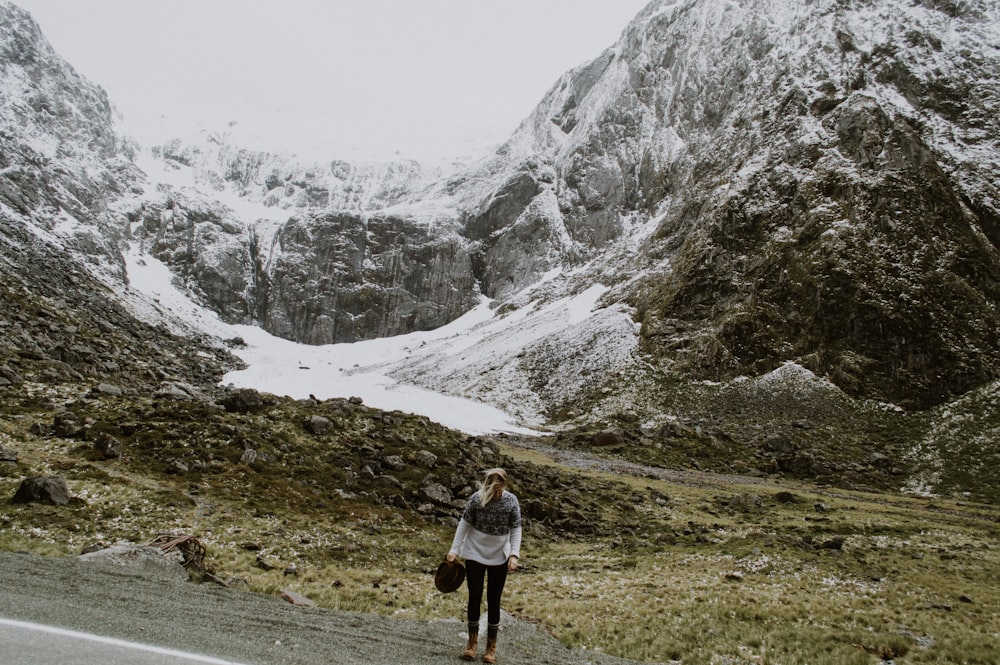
point(166, 614)
point(23, 643)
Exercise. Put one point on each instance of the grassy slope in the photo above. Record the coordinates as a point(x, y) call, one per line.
point(711, 569)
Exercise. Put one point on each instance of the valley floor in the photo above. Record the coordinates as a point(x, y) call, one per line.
point(112, 601)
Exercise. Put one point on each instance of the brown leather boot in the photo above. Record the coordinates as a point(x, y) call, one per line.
point(473, 646)
point(491, 644)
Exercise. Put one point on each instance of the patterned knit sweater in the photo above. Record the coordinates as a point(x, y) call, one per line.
point(489, 534)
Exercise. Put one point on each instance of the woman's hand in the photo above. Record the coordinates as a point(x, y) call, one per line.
point(450, 557)
point(511, 564)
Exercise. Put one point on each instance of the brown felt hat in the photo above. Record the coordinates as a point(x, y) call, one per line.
point(449, 576)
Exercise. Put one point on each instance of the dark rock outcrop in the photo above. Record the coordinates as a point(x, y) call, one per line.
point(339, 277)
point(43, 489)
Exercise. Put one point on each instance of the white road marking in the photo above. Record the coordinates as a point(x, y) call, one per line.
point(52, 630)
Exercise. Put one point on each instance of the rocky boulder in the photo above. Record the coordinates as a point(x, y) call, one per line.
point(43, 489)
point(149, 560)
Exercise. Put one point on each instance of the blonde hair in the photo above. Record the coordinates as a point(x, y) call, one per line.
point(492, 478)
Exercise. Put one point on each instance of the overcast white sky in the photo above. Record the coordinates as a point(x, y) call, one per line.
point(349, 79)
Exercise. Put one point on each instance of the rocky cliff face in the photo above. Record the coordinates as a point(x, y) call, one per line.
point(754, 183)
point(66, 176)
point(818, 177)
point(830, 205)
point(314, 253)
point(340, 277)
point(62, 165)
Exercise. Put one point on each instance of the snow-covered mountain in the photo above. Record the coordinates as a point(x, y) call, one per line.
point(754, 192)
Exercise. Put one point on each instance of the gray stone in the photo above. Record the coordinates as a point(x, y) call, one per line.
point(319, 425)
point(43, 489)
point(176, 390)
point(108, 446)
point(66, 424)
point(436, 492)
point(10, 375)
point(242, 400)
point(607, 437)
point(150, 560)
point(395, 462)
point(425, 458)
point(108, 389)
point(297, 599)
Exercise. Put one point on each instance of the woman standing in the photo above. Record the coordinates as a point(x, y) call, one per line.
point(489, 539)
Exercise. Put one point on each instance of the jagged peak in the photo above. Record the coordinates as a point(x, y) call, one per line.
point(45, 98)
point(217, 160)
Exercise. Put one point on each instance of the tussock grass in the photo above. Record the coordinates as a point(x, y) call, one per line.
point(702, 570)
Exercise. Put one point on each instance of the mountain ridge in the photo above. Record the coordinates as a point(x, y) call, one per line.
point(752, 186)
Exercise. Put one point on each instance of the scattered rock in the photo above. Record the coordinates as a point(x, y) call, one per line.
point(43, 489)
point(176, 390)
point(243, 400)
point(965, 599)
point(264, 564)
point(296, 599)
point(107, 389)
point(436, 492)
point(8, 454)
point(108, 446)
point(150, 560)
point(395, 462)
point(606, 438)
point(745, 503)
point(425, 458)
point(66, 424)
point(319, 425)
point(10, 376)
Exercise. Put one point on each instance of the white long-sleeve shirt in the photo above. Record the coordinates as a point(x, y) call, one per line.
point(489, 534)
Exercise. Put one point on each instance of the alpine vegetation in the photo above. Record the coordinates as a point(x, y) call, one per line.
point(726, 306)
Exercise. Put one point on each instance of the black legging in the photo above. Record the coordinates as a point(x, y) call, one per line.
point(474, 574)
